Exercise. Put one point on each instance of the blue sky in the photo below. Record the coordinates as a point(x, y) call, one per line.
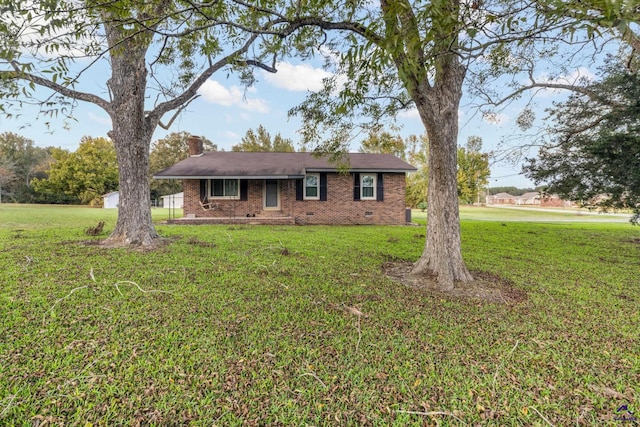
point(225, 111)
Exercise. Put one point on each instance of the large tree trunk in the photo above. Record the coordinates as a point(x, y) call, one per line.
point(438, 108)
point(134, 226)
point(131, 135)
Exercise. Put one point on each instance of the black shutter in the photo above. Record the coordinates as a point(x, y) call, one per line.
point(244, 190)
point(203, 189)
point(356, 186)
point(323, 186)
point(380, 188)
point(299, 189)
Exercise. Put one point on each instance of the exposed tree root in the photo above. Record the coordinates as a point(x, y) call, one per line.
point(485, 287)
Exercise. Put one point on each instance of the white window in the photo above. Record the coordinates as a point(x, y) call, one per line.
point(312, 186)
point(224, 188)
point(368, 186)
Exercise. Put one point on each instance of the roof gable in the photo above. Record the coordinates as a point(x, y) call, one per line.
point(275, 165)
point(503, 196)
point(530, 195)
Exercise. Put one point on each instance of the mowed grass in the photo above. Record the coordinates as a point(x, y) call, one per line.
point(258, 325)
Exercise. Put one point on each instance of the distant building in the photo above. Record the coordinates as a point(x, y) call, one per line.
point(173, 200)
point(111, 200)
point(501, 199)
point(531, 198)
point(554, 201)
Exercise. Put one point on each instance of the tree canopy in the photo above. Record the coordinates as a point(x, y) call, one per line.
point(158, 53)
point(83, 176)
point(473, 170)
point(261, 141)
point(594, 154)
point(384, 142)
point(418, 182)
point(406, 54)
point(21, 160)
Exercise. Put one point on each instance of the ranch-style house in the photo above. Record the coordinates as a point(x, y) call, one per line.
point(289, 188)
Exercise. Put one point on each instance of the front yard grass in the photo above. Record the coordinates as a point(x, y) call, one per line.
point(259, 325)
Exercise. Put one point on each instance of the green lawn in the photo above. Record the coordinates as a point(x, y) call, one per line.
point(258, 325)
point(528, 214)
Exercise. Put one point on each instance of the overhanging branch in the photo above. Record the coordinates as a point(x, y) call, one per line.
point(56, 87)
point(176, 114)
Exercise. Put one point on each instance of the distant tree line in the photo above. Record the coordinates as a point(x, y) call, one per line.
point(20, 162)
point(53, 175)
point(30, 174)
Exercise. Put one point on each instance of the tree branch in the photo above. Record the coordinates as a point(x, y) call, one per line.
point(176, 114)
point(63, 90)
point(258, 64)
point(536, 85)
point(156, 114)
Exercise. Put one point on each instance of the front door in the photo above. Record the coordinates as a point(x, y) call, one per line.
point(271, 194)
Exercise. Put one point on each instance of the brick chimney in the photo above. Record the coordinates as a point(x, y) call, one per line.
point(196, 146)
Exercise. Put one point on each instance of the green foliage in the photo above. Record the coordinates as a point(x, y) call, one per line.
point(82, 176)
point(596, 17)
point(262, 142)
point(166, 152)
point(514, 191)
point(228, 328)
point(594, 156)
point(417, 182)
point(20, 162)
point(473, 170)
point(159, 54)
point(379, 141)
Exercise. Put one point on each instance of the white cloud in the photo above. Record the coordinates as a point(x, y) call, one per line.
point(297, 78)
point(214, 92)
point(410, 114)
point(231, 135)
point(103, 120)
point(580, 75)
point(495, 118)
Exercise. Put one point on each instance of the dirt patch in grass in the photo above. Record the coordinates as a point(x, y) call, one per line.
point(486, 287)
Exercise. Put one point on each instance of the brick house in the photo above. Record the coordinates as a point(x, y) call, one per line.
point(289, 188)
point(501, 199)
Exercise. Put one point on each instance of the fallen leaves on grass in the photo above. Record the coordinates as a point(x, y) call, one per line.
point(608, 392)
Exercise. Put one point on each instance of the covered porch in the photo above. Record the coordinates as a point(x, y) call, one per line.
point(257, 220)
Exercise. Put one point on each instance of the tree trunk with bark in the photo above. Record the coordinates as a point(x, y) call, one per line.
point(131, 135)
point(438, 108)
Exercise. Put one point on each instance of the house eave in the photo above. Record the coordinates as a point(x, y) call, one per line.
point(228, 177)
point(360, 170)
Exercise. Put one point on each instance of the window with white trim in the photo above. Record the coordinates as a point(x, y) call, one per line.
point(368, 186)
point(312, 186)
point(224, 188)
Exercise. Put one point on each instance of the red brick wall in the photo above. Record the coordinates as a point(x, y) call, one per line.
point(339, 208)
point(554, 202)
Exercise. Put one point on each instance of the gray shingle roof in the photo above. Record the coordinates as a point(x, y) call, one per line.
point(275, 165)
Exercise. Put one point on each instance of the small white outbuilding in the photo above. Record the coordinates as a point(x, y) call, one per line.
point(111, 200)
point(173, 200)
